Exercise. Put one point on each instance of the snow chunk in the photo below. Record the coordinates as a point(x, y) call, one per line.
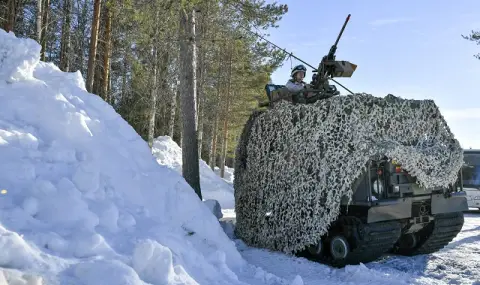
point(86, 177)
point(16, 252)
point(109, 217)
point(167, 152)
point(154, 264)
point(30, 205)
point(15, 277)
point(126, 220)
point(87, 245)
point(214, 207)
point(297, 281)
point(18, 57)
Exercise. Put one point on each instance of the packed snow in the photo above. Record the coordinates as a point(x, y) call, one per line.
point(168, 153)
point(84, 201)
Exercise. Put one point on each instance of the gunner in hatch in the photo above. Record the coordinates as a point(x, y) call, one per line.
point(296, 83)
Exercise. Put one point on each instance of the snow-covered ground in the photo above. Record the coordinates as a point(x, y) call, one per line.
point(457, 263)
point(86, 202)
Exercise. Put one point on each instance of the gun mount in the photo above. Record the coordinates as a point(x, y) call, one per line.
point(330, 68)
point(320, 87)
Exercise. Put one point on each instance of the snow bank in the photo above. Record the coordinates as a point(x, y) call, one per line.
point(228, 175)
point(85, 200)
point(168, 153)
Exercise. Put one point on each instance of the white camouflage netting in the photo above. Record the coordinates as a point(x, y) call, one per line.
point(293, 160)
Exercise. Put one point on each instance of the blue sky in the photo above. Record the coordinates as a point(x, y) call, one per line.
point(408, 48)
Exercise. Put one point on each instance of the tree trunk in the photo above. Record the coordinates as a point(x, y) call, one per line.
point(213, 144)
point(39, 22)
point(180, 124)
point(93, 45)
point(124, 78)
point(225, 118)
point(165, 93)
point(21, 19)
point(65, 44)
point(46, 8)
point(110, 96)
point(201, 105)
point(11, 15)
point(190, 167)
point(108, 51)
point(98, 74)
point(200, 93)
point(207, 142)
point(82, 45)
point(201, 100)
point(153, 99)
point(224, 145)
point(173, 107)
point(213, 150)
point(153, 92)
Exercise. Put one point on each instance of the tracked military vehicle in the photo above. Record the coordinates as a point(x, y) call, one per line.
point(346, 179)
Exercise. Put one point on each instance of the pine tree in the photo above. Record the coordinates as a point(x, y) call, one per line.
point(188, 93)
point(474, 37)
point(197, 85)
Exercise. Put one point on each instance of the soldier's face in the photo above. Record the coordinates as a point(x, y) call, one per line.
point(300, 75)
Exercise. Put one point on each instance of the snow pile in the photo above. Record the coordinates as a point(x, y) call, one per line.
point(228, 175)
point(85, 200)
point(168, 153)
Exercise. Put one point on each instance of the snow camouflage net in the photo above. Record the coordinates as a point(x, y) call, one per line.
point(295, 162)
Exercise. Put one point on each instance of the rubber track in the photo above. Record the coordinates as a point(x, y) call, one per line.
point(442, 230)
point(368, 242)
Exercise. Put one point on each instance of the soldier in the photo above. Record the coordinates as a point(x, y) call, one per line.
point(296, 83)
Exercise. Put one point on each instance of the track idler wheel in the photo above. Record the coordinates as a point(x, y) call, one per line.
point(339, 247)
point(351, 241)
point(433, 237)
point(316, 249)
point(408, 241)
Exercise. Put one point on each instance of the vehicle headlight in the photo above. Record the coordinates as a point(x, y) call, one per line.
point(378, 186)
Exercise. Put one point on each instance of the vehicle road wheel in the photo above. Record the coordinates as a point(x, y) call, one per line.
point(339, 247)
point(408, 241)
point(316, 249)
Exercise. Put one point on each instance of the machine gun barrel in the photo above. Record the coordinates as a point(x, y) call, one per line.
point(341, 31)
point(328, 64)
point(333, 49)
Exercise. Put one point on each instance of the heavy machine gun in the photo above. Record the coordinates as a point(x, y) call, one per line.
point(329, 67)
point(319, 88)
